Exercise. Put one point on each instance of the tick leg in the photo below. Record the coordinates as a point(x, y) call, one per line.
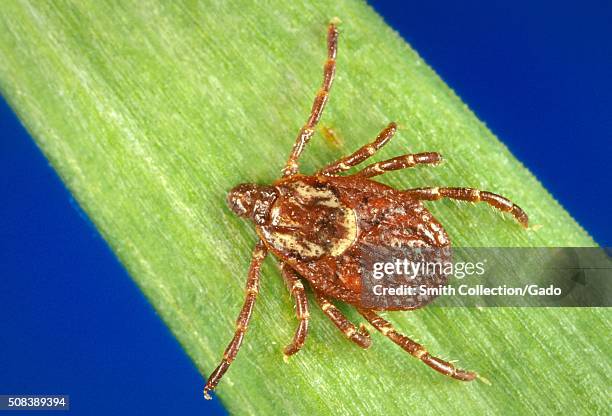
point(295, 286)
point(471, 195)
point(360, 336)
point(362, 153)
point(415, 349)
point(252, 288)
point(401, 162)
point(307, 130)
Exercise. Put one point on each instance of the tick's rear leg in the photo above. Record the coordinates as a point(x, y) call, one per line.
point(471, 195)
point(306, 132)
point(252, 288)
point(362, 153)
point(401, 162)
point(415, 349)
point(295, 286)
point(360, 336)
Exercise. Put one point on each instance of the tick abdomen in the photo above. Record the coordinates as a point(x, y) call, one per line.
point(323, 226)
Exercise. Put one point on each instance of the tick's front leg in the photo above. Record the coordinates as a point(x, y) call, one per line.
point(318, 105)
point(242, 323)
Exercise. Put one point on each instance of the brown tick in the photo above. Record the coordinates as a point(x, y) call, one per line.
point(320, 226)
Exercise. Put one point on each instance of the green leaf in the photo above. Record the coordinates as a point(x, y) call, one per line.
point(150, 111)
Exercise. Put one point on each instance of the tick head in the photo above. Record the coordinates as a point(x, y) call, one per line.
point(251, 201)
point(241, 199)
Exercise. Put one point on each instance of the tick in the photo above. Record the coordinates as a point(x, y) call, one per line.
point(320, 226)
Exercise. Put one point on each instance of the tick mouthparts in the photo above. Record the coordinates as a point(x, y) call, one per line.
point(251, 200)
point(242, 198)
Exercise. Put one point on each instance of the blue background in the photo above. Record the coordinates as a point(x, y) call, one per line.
point(537, 73)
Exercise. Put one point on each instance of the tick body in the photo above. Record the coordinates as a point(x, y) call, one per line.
point(319, 227)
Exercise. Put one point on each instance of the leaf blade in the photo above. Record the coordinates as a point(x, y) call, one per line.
point(150, 112)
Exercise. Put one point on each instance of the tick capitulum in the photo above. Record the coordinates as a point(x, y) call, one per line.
point(320, 226)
